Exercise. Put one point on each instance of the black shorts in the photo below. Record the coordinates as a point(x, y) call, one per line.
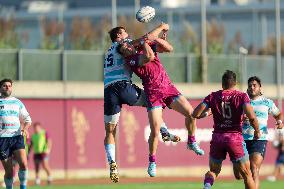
point(280, 159)
point(9, 144)
point(40, 157)
point(256, 146)
point(118, 93)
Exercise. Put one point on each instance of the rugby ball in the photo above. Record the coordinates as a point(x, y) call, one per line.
point(145, 14)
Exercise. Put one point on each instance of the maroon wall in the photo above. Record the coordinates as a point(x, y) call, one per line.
point(77, 131)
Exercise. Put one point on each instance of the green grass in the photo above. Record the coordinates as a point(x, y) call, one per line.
point(178, 185)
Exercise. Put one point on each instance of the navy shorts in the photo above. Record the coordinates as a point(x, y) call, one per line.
point(256, 146)
point(121, 92)
point(40, 157)
point(280, 159)
point(10, 144)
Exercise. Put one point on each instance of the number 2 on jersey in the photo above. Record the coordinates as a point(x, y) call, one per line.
point(226, 110)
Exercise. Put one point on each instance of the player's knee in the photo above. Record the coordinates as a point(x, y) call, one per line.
point(254, 169)
point(9, 174)
point(238, 176)
point(110, 128)
point(215, 170)
point(112, 119)
point(245, 173)
point(23, 165)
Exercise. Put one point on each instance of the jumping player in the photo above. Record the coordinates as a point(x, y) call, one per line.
point(12, 110)
point(262, 107)
point(227, 107)
point(118, 90)
point(159, 90)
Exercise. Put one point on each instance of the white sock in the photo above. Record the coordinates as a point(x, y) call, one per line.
point(110, 152)
point(164, 128)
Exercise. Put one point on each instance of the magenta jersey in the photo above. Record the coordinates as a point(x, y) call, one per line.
point(153, 75)
point(227, 110)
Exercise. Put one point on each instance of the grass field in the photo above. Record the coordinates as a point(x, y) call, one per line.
point(177, 185)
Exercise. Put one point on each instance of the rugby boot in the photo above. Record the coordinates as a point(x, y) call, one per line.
point(167, 136)
point(113, 172)
point(207, 186)
point(152, 169)
point(195, 147)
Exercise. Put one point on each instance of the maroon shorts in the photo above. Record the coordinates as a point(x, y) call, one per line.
point(231, 143)
point(40, 157)
point(161, 97)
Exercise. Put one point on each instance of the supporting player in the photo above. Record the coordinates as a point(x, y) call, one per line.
point(262, 107)
point(227, 107)
point(278, 143)
point(118, 90)
point(11, 134)
point(41, 146)
point(159, 90)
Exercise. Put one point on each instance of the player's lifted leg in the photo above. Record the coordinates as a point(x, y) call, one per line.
point(181, 105)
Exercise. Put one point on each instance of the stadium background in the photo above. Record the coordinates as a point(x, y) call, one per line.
point(54, 51)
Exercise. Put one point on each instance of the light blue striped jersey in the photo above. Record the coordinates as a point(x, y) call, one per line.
point(114, 67)
point(12, 110)
point(262, 107)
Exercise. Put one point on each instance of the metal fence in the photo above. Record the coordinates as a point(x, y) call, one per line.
point(43, 65)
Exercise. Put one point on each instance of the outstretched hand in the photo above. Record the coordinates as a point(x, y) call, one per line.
point(165, 27)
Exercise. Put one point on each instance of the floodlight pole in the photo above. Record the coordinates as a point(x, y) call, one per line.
point(113, 13)
point(136, 6)
point(278, 53)
point(204, 61)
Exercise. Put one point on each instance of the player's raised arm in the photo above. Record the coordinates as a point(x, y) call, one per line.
point(152, 35)
point(252, 118)
point(148, 54)
point(163, 45)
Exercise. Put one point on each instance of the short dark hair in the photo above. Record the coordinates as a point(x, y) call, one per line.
point(114, 32)
point(36, 123)
point(254, 78)
point(229, 79)
point(5, 80)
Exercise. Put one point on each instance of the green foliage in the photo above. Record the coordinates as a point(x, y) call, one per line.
point(8, 37)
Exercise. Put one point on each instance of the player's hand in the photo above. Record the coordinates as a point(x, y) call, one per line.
point(25, 133)
point(164, 35)
point(257, 135)
point(165, 26)
point(279, 125)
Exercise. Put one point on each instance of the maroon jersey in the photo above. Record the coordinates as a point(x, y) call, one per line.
point(227, 110)
point(157, 85)
point(153, 75)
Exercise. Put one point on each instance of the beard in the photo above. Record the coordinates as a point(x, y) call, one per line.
point(5, 93)
point(253, 95)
